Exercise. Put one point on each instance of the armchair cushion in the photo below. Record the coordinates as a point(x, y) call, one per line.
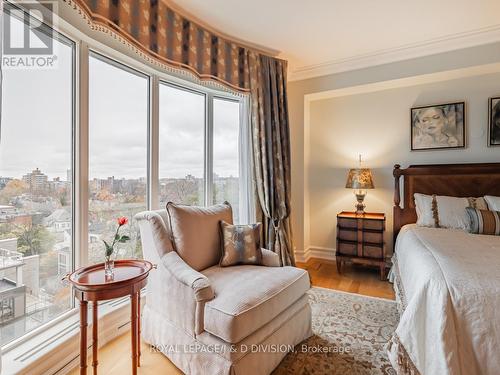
point(196, 234)
point(248, 297)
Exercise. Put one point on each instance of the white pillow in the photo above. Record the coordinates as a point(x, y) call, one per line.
point(423, 206)
point(493, 202)
point(452, 213)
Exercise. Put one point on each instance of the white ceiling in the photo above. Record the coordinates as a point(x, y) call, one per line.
point(326, 36)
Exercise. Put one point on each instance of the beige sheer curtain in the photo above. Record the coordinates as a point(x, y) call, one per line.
point(161, 34)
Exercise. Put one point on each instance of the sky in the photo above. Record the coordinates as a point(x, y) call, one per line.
point(37, 116)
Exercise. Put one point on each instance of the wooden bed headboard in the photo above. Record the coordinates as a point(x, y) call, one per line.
point(456, 180)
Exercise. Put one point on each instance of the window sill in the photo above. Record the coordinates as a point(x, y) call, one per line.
point(56, 349)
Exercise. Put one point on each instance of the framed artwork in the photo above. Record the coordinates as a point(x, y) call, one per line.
point(438, 127)
point(494, 123)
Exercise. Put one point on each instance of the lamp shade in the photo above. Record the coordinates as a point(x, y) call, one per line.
point(360, 178)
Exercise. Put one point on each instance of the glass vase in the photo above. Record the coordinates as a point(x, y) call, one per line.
point(109, 265)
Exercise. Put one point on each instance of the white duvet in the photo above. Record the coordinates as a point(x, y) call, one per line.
point(448, 284)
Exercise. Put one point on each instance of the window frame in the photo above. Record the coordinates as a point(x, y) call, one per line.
point(83, 47)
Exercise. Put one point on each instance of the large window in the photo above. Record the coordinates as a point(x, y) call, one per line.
point(226, 168)
point(199, 149)
point(118, 153)
point(73, 158)
point(182, 146)
point(36, 247)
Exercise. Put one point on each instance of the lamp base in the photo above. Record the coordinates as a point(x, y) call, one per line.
point(360, 206)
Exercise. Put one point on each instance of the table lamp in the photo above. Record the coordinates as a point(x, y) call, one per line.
point(360, 179)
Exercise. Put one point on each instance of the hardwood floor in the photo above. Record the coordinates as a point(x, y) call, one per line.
point(114, 358)
point(354, 279)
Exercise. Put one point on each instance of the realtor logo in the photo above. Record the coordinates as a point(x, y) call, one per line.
point(28, 43)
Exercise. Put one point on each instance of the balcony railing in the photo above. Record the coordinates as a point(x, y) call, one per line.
point(10, 258)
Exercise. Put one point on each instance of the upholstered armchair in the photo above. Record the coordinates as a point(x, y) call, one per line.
point(218, 320)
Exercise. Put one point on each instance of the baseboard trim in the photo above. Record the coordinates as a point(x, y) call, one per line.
point(317, 252)
point(302, 256)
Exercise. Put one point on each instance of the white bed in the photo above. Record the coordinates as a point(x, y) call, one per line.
point(448, 287)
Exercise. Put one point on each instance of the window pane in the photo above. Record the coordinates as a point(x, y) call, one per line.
point(226, 153)
point(35, 193)
point(182, 130)
point(118, 126)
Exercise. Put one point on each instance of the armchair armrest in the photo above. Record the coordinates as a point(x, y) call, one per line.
point(181, 271)
point(270, 258)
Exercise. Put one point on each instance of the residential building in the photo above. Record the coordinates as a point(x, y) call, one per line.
point(36, 180)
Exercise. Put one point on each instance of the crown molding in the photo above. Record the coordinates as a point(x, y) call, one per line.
point(420, 79)
point(434, 46)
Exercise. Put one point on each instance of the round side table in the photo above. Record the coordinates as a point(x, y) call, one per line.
point(91, 285)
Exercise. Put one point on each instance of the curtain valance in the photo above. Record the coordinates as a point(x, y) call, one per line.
point(160, 32)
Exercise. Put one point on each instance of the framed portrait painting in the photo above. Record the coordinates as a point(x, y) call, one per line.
point(494, 123)
point(438, 127)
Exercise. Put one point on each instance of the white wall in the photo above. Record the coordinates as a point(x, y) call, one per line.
point(326, 132)
point(376, 125)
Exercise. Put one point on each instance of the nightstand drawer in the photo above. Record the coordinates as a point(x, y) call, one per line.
point(373, 252)
point(352, 235)
point(347, 222)
point(374, 224)
point(373, 237)
point(345, 248)
point(347, 235)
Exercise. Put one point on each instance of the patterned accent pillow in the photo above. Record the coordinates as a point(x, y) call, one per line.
point(484, 221)
point(479, 203)
point(241, 244)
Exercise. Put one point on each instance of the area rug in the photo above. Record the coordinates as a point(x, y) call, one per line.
point(350, 334)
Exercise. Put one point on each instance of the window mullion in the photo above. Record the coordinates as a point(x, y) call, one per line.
point(154, 145)
point(82, 161)
point(209, 149)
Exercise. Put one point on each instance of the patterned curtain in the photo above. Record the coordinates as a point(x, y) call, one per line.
point(271, 149)
point(160, 34)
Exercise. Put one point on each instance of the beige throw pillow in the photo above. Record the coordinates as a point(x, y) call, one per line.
point(196, 233)
point(241, 244)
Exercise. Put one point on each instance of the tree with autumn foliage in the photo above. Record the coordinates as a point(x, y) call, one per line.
point(13, 188)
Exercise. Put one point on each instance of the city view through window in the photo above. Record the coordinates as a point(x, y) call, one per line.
point(118, 154)
point(36, 176)
point(182, 157)
point(35, 194)
point(226, 154)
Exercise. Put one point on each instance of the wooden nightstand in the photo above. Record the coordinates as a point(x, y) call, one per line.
point(360, 239)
